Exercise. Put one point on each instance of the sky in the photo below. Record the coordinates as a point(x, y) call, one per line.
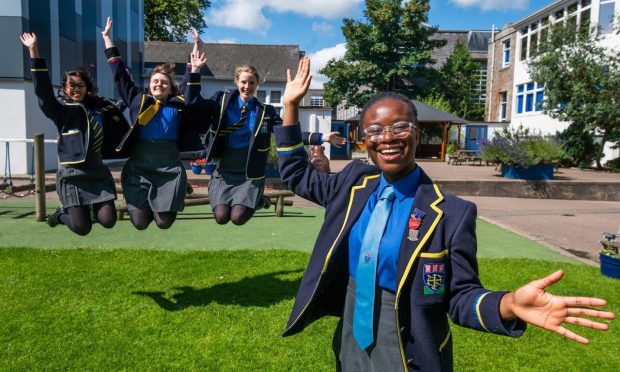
point(314, 25)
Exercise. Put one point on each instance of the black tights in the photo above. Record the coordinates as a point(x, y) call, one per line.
point(238, 214)
point(78, 219)
point(142, 218)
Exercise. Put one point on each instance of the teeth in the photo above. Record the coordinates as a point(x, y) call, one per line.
point(390, 151)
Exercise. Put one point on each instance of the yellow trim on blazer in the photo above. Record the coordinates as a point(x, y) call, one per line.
point(290, 148)
point(410, 264)
point(434, 255)
point(38, 69)
point(478, 311)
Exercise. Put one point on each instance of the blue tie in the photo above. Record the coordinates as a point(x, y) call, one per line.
point(367, 270)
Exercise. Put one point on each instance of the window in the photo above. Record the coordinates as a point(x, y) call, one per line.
point(276, 96)
point(481, 88)
point(503, 106)
point(261, 95)
point(606, 16)
point(523, 54)
point(506, 59)
point(316, 101)
point(530, 97)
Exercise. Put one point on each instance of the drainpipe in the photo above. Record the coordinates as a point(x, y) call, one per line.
point(490, 96)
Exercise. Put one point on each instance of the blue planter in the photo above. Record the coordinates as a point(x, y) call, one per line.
point(610, 266)
point(210, 168)
point(196, 169)
point(272, 171)
point(535, 172)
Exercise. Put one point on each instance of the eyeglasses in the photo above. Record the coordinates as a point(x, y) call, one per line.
point(76, 86)
point(401, 129)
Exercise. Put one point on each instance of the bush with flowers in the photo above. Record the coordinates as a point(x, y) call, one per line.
point(198, 162)
point(518, 147)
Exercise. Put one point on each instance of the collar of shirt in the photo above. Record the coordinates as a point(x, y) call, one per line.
point(404, 187)
point(251, 103)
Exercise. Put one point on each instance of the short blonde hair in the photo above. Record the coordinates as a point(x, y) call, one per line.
point(246, 68)
point(168, 70)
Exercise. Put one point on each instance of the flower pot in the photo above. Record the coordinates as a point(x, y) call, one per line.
point(196, 169)
point(210, 168)
point(610, 266)
point(272, 171)
point(534, 172)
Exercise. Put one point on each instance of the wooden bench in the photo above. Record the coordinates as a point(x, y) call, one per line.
point(278, 199)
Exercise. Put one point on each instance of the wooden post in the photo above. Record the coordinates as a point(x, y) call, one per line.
point(39, 176)
point(444, 140)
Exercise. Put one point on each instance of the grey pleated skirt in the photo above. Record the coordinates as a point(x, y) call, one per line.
point(229, 186)
point(85, 184)
point(154, 177)
point(383, 355)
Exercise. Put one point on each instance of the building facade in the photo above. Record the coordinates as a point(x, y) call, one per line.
point(513, 96)
point(69, 35)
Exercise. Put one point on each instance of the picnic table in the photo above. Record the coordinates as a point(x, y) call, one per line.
point(466, 156)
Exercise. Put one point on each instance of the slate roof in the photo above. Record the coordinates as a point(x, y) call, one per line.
point(272, 61)
point(477, 43)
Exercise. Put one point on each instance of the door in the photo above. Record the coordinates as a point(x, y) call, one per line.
point(474, 134)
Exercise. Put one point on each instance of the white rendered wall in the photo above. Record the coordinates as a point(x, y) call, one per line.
point(317, 120)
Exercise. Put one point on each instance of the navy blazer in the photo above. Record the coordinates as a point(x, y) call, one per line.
point(72, 118)
point(189, 129)
point(446, 237)
point(214, 114)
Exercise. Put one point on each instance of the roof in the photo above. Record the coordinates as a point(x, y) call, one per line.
point(271, 61)
point(477, 43)
point(428, 114)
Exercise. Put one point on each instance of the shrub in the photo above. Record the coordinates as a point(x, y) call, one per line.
point(518, 147)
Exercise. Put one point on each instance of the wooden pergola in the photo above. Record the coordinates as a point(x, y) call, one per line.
point(427, 116)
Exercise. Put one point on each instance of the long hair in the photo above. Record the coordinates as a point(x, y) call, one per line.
point(83, 72)
point(168, 70)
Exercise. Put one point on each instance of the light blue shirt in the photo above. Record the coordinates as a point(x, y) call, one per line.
point(241, 137)
point(395, 230)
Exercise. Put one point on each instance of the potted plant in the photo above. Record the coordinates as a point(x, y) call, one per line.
point(522, 155)
point(610, 260)
point(273, 169)
point(197, 165)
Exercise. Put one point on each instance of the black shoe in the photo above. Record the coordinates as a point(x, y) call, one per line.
point(53, 219)
point(189, 189)
point(266, 202)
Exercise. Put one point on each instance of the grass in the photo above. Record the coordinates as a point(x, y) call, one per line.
point(142, 310)
point(206, 297)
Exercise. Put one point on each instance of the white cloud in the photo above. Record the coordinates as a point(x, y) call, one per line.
point(319, 59)
point(243, 14)
point(248, 14)
point(323, 28)
point(492, 4)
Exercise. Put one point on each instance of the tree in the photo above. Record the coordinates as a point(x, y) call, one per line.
point(582, 85)
point(390, 50)
point(460, 76)
point(170, 20)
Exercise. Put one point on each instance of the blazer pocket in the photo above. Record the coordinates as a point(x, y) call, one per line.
point(432, 279)
point(73, 142)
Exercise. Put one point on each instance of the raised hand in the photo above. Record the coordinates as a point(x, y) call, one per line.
point(335, 139)
point(532, 304)
point(106, 34)
point(197, 40)
point(198, 60)
point(296, 88)
point(30, 41)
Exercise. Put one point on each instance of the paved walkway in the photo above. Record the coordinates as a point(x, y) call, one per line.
point(571, 227)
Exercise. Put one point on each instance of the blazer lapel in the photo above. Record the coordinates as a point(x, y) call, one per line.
point(427, 199)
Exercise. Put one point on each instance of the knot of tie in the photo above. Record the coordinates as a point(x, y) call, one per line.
point(388, 193)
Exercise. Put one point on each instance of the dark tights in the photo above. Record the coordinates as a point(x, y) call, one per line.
point(78, 219)
point(142, 218)
point(238, 214)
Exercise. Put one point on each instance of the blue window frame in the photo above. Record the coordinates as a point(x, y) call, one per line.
point(530, 97)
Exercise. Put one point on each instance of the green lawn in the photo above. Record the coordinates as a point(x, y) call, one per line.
point(206, 297)
point(143, 309)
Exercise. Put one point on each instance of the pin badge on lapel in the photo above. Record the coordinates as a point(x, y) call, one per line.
point(414, 224)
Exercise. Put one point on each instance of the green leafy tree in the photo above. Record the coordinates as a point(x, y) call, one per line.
point(460, 76)
point(170, 20)
point(438, 101)
point(582, 86)
point(390, 49)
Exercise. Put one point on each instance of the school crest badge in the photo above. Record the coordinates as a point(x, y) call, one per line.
point(434, 277)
